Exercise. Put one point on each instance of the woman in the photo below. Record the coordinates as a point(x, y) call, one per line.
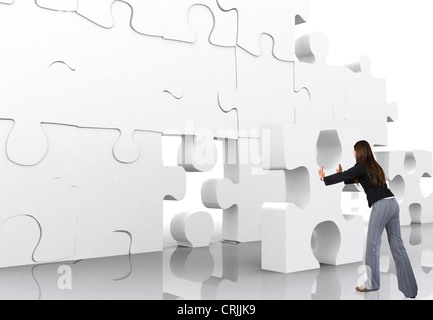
point(385, 215)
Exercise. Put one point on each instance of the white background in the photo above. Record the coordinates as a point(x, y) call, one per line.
point(395, 35)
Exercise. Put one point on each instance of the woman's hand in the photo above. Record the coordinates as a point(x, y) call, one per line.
point(340, 169)
point(321, 173)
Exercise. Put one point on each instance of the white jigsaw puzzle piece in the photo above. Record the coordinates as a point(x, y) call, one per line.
point(131, 203)
point(367, 96)
point(105, 67)
point(263, 81)
point(243, 191)
point(325, 83)
point(22, 85)
point(404, 171)
point(276, 18)
point(41, 192)
point(177, 103)
point(288, 228)
point(200, 71)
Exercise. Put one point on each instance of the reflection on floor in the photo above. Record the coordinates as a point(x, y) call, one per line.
point(223, 271)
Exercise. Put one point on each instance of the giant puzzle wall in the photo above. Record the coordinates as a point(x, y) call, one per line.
point(89, 88)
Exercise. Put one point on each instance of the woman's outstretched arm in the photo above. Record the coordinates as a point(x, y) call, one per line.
point(346, 176)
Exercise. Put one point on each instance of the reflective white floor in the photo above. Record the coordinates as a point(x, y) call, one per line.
point(223, 271)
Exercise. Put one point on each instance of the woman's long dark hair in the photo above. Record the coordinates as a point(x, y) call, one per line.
point(364, 155)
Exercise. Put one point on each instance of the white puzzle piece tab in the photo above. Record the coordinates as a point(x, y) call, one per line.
point(192, 229)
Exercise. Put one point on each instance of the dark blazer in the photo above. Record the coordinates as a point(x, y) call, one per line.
point(374, 192)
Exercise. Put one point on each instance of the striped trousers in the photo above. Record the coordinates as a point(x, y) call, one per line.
point(386, 215)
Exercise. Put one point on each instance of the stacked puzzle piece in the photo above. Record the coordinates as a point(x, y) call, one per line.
point(89, 88)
